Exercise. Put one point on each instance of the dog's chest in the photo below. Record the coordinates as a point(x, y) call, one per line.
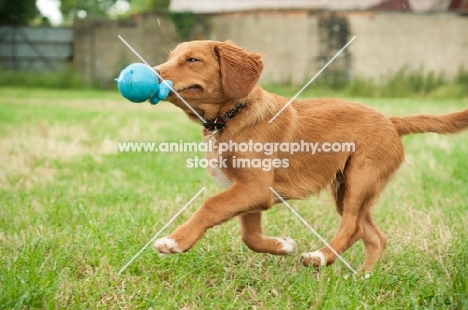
point(219, 177)
point(216, 170)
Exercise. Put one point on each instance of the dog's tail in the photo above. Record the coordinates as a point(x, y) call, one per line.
point(448, 123)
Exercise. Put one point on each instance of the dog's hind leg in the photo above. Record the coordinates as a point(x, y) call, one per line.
point(252, 235)
point(353, 199)
point(374, 242)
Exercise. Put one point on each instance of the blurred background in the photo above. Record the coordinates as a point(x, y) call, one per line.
point(75, 207)
point(403, 47)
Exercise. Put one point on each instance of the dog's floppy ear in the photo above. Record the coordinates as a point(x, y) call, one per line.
point(240, 70)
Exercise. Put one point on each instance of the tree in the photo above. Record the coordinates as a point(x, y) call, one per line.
point(150, 5)
point(17, 12)
point(91, 8)
point(97, 8)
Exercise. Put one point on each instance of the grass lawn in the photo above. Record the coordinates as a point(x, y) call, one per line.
point(73, 211)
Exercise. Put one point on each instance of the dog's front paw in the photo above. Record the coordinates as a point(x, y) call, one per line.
point(288, 245)
point(166, 246)
point(313, 259)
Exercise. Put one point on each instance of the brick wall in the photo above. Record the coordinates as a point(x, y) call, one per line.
point(388, 42)
point(289, 42)
point(99, 54)
point(294, 43)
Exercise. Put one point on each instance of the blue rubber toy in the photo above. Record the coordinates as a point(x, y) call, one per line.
point(138, 83)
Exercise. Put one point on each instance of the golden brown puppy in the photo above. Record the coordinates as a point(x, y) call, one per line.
point(219, 81)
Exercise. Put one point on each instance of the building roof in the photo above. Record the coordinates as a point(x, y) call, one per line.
point(223, 6)
point(459, 5)
point(412, 5)
point(392, 5)
point(226, 6)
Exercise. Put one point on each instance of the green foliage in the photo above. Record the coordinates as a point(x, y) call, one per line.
point(98, 8)
point(17, 12)
point(462, 77)
point(162, 5)
point(183, 21)
point(401, 84)
point(141, 6)
point(40, 21)
point(65, 78)
point(462, 80)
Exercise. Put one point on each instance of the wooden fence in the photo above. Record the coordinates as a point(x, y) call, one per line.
point(35, 49)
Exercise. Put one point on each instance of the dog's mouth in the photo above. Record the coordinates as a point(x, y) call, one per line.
point(192, 88)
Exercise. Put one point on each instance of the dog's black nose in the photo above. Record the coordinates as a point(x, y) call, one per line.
point(158, 73)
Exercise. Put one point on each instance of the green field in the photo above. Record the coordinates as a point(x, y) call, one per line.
point(73, 211)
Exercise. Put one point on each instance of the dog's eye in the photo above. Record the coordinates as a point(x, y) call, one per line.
point(191, 59)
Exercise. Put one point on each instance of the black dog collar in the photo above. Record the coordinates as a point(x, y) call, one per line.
point(220, 121)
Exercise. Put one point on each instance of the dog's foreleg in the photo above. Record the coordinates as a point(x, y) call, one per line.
point(236, 200)
point(252, 235)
